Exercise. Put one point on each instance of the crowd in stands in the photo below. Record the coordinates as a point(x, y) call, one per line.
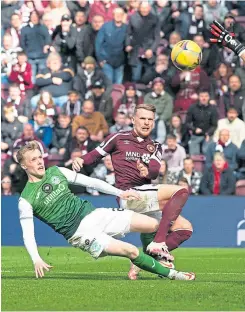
point(73, 71)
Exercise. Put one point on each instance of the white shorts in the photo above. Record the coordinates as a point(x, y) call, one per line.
point(148, 201)
point(96, 229)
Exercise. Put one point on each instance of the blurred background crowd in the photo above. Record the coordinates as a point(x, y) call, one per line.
point(72, 72)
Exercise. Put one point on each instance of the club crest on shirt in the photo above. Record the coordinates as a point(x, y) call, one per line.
point(55, 180)
point(151, 148)
point(47, 188)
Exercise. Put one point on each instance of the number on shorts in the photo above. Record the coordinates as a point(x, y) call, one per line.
point(118, 209)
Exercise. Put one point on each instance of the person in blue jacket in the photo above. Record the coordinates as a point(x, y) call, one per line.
point(110, 47)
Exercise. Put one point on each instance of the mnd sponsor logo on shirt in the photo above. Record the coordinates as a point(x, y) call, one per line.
point(54, 195)
point(133, 156)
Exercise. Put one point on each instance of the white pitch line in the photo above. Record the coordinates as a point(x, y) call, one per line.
point(117, 272)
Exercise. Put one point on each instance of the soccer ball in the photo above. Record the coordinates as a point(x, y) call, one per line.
point(186, 55)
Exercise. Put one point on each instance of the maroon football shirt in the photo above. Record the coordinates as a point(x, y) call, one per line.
point(125, 149)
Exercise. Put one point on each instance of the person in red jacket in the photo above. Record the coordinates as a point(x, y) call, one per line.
point(21, 74)
point(104, 8)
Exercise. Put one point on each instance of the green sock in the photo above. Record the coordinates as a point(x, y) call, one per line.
point(146, 239)
point(149, 264)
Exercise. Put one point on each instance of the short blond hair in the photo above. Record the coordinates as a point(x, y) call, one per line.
point(148, 107)
point(30, 146)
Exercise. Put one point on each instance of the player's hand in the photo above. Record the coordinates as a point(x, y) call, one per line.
point(225, 38)
point(142, 169)
point(40, 266)
point(130, 195)
point(77, 164)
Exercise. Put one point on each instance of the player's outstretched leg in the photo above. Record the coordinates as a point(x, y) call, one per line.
point(143, 261)
point(171, 211)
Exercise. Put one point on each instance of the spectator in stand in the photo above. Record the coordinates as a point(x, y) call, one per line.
point(21, 74)
point(188, 25)
point(61, 135)
point(7, 10)
point(235, 125)
point(143, 36)
point(240, 72)
point(46, 104)
point(55, 79)
point(35, 41)
point(237, 8)
point(8, 57)
point(120, 123)
point(6, 186)
point(81, 142)
point(235, 95)
point(94, 121)
point(131, 7)
point(161, 69)
point(19, 103)
point(131, 98)
point(202, 120)
point(184, 183)
point(17, 174)
point(237, 28)
point(241, 162)
point(165, 176)
point(11, 128)
point(110, 46)
point(104, 8)
point(210, 58)
point(220, 180)
point(173, 39)
point(78, 6)
point(65, 42)
point(214, 10)
point(159, 131)
point(225, 146)
point(102, 101)
point(228, 57)
point(220, 82)
point(180, 130)
point(15, 29)
point(162, 10)
point(57, 8)
point(73, 106)
point(160, 99)
point(27, 136)
point(80, 22)
point(189, 84)
point(104, 172)
point(192, 176)
point(42, 127)
point(25, 10)
point(174, 154)
point(87, 75)
point(48, 22)
point(85, 45)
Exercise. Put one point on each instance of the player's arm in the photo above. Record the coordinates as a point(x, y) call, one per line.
point(105, 148)
point(27, 225)
point(227, 39)
point(99, 185)
point(152, 170)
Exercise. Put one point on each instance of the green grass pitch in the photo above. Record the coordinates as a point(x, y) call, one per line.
point(79, 283)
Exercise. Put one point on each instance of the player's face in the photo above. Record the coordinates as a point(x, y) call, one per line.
point(33, 163)
point(143, 122)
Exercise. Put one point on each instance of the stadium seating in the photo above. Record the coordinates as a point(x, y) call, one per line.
point(240, 188)
point(199, 162)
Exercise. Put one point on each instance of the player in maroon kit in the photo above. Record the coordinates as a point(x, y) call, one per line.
point(136, 161)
